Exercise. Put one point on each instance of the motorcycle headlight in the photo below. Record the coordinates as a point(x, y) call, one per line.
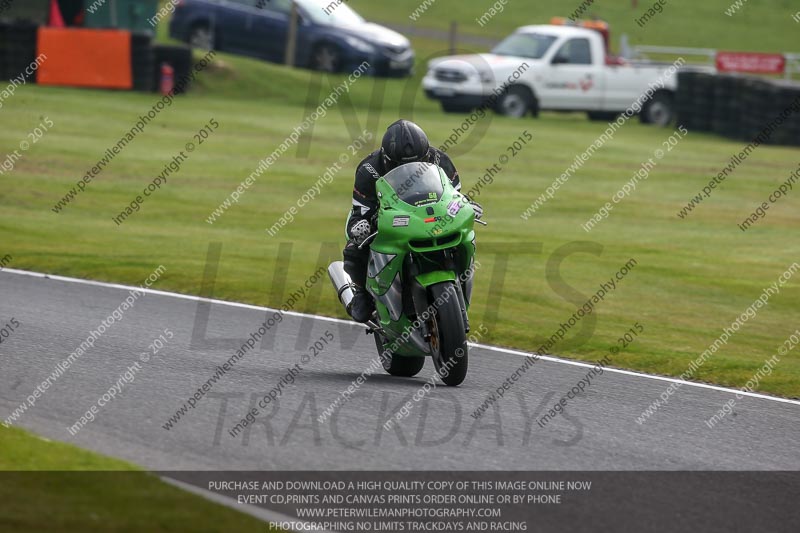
point(360, 44)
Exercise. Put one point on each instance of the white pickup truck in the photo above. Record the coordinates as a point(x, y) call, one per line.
point(552, 67)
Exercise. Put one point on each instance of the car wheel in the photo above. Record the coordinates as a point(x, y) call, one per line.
point(659, 110)
point(201, 37)
point(326, 58)
point(515, 102)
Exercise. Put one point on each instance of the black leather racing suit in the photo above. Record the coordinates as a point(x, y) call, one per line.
point(365, 205)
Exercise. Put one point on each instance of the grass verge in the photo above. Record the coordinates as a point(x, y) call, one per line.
point(52, 486)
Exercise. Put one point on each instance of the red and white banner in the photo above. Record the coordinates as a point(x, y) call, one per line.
point(751, 62)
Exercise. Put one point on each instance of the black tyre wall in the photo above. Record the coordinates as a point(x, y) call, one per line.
point(738, 106)
point(142, 61)
point(17, 49)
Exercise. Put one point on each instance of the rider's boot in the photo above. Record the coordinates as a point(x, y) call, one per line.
point(355, 264)
point(362, 306)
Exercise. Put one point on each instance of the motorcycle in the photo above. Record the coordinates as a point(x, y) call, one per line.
point(420, 273)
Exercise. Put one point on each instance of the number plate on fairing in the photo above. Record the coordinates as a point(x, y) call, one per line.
point(401, 221)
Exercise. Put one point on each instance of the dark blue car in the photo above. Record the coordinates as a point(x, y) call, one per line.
point(331, 36)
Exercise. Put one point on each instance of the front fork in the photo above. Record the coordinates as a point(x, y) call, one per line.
point(462, 304)
point(424, 307)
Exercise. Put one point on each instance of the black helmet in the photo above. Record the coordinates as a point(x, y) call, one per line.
point(404, 142)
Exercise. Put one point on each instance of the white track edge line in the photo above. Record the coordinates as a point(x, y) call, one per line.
point(350, 322)
point(261, 513)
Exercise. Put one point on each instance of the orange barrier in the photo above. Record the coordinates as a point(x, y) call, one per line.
point(85, 58)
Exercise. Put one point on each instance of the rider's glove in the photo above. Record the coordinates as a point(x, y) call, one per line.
point(360, 231)
point(477, 208)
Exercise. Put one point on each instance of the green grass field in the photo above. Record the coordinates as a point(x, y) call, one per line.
point(694, 276)
point(759, 26)
point(51, 486)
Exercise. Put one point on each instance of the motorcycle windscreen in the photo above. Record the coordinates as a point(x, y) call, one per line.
point(416, 183)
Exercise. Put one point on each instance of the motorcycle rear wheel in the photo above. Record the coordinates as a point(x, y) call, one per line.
point(397, 365)
point(448, 335)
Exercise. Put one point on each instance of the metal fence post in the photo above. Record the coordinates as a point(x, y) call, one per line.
point(291, 40)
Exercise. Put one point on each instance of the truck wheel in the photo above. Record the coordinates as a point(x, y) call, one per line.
point(515, 102)
point(659, 110)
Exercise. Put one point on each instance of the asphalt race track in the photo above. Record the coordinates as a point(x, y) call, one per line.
point(601, 432)
point(598, 431)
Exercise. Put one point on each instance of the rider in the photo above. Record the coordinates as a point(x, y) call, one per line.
point(404, 142)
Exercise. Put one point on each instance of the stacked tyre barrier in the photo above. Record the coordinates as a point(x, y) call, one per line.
point(739, 106)
point(784, 95)
point(4, 73)
point(142, 61)
point(728, 103)
point(17, 48)
point(756, 111)
point(695, 100)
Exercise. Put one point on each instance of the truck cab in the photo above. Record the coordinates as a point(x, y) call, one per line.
point(546, 67)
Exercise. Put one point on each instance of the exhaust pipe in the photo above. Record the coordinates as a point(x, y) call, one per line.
point(344, 290)
point(341, 282)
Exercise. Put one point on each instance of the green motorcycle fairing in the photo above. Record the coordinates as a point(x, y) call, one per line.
point(425, 236)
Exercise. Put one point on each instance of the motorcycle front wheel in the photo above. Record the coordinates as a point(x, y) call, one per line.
point(397, 365)
point(448, 335)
